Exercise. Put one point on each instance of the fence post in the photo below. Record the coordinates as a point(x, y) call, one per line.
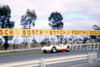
point(95, 56)
point(89, 57)
point(42, 62)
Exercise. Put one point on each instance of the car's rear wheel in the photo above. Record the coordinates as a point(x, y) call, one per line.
point(68, 49)
point(53, 50)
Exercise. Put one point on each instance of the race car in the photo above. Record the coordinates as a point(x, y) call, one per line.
point(56, 48)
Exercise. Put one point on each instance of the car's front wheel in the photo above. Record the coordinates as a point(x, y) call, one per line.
point(53, 50)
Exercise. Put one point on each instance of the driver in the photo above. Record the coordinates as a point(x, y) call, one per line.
point(58, 43)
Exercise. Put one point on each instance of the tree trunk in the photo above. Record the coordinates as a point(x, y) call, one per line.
point(3, 23)
point(6, 45)
point(42, 45)
point(25, 41)
point(61, 39)
point(29, 26)
point(26, 36)
point(58, 38)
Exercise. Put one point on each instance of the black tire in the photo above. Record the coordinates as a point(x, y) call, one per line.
point(44, 51)
point(68, 49)
point(53, 50)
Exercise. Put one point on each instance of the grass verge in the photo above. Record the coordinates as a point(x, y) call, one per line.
point(20, 53)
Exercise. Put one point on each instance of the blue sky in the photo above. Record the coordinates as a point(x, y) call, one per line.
point(77, 14)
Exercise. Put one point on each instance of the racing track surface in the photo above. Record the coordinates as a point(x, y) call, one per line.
point(42, 55)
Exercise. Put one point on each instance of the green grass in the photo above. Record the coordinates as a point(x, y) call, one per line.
point(20, 53)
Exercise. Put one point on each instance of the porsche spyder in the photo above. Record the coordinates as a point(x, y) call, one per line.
point(56, 48)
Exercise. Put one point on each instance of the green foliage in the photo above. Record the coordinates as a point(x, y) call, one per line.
point(56, 20)
point(45, 41)
point(1, 47)
point(34, 41)
point(28, 19)
point(55, 17)
point(95, 27)
point(5, 11)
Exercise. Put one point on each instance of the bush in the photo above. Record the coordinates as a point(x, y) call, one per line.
point(1, 47)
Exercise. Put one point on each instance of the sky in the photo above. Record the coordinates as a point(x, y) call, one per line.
point(77, 14)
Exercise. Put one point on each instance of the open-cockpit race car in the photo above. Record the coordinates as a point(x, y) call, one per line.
point(56, 48)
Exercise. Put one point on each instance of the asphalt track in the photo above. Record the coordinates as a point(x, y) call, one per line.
point(42, 55)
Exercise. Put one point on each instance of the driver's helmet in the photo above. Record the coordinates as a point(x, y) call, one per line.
point(58, 43)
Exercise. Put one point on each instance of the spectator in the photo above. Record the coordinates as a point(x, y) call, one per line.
point(58, 43)
point(70, 41)
point(84, 41)
point(65, 40)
